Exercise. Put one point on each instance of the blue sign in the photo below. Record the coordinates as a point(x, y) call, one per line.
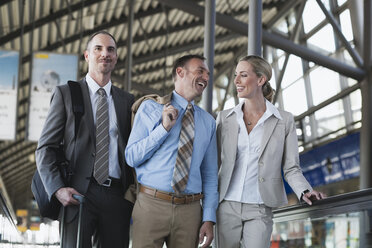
point(336, 161)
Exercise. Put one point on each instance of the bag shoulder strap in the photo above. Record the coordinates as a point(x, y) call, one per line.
point(77, 102)
point(159, 99)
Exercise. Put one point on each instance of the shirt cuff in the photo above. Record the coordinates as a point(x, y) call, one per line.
point(160, 133)
point(209, 214)
point(54, 189)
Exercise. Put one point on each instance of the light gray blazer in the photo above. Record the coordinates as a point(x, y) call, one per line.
point(279, 151)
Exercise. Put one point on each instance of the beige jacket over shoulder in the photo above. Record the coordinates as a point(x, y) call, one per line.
point(279, 151)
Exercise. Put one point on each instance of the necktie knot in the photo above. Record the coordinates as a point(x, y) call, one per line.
point(189, 107)
point(101, 92)
point(189, 110)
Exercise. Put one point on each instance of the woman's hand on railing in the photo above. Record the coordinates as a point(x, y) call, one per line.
point(312, 196)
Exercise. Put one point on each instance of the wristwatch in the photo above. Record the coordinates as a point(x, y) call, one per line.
point(303, 193)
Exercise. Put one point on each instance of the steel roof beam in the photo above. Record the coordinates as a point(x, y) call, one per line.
point(271, 39)
point(161, 79)
point(44, 20)
point(283, 11)
point(337, 29)
point(175, 50)
point(106, 25)
point(334, 98)
point(136, 86)
point(255, 28)
point(141, 86)
point(120, 21)
point(3, 2)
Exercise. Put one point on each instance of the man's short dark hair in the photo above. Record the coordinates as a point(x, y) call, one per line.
point(100, 32)
point(182, 61)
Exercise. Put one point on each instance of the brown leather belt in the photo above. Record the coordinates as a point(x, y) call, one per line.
point(170, 197)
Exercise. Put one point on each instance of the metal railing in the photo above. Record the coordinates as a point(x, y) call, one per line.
point(8, 231)
point(345, 203)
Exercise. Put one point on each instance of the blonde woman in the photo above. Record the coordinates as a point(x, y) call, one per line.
point(256, 142)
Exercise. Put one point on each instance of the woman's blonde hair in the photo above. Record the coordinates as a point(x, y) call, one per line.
point(262, 68)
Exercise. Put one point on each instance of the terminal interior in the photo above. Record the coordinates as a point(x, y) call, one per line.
point(320, 52)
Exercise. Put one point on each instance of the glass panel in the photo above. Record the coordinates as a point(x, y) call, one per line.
point(341, 2)
point(273, 81)
point(293, 71)
point(8, 232)
point(346, 25)
point(347, 58)
point(330, 118)
point(356, 100)
point(282, 26)
point(356, 105)
point(218, 96)
point(351, 81)
point(324, 84)
point(230, 103)
point(294, 98)
point(339, 231)
point(48, 234)
point(279, 53)
point(312, 16)
point(324, 39)
point(307, 128)
point(219, 93)
point(281, 59)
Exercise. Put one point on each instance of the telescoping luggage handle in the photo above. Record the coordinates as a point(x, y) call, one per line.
point(81, 200)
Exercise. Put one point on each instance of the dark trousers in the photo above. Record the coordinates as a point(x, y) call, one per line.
point(106, 216)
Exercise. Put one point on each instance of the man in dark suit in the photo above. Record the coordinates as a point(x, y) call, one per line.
point(96, 154)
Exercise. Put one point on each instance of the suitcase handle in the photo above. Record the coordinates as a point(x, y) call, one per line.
point(80, 198)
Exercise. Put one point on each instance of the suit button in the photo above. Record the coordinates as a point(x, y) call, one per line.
point(261, 179)
point(260, 164)
point(93, 154)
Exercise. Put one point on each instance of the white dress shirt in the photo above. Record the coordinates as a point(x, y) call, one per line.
point(244, 180)
point(114, 167)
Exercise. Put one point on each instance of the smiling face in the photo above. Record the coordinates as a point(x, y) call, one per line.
point(101, 55)
point(192, 79)
point(248, 83)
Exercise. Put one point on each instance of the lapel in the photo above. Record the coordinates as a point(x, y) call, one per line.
point(232, 132)
point(268, 130)
point(88, 109)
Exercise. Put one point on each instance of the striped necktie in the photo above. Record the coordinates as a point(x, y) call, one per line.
point(185, 146)
point(101, 165)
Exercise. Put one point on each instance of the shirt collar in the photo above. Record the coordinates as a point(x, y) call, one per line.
point(237, 109)
point(270, 110)
point(273, 110)
point(93, 86)
point(182, 102)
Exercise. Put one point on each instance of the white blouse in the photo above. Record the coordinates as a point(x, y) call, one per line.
point(244, 180)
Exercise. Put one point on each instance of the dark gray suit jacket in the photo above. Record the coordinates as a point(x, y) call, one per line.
point(60, 126)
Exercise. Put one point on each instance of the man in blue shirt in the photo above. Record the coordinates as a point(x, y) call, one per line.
point(160, 213)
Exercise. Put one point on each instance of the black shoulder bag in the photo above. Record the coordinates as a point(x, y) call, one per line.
point(50, 209)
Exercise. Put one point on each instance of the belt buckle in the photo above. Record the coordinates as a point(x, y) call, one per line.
point(107, 183)
point(180, 198)
point(173, 197)
point(189, 199)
